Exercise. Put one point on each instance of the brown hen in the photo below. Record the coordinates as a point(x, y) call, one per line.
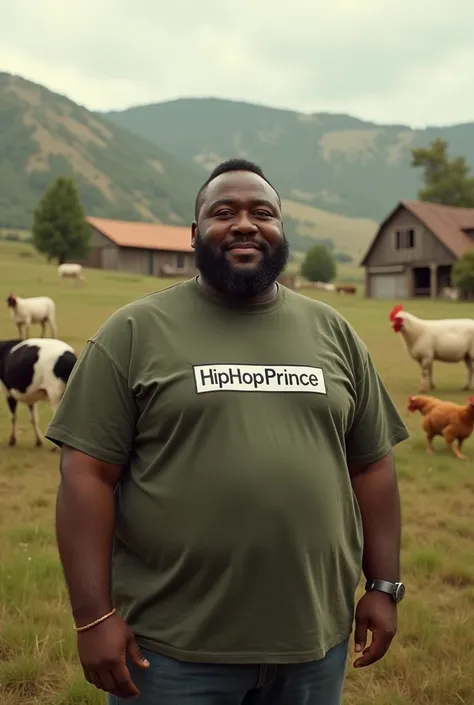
point(455, 422)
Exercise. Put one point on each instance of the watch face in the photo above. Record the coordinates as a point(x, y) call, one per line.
point(399, 592)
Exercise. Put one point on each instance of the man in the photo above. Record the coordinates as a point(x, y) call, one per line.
point(226, 447)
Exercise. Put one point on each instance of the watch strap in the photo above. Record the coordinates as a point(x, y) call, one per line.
point(382, 585)
point(395, 590)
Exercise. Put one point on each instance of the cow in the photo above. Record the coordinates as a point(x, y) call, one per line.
point(33, 370)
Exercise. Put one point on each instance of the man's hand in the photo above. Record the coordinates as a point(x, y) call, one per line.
point(102, 651)
point(376, 612)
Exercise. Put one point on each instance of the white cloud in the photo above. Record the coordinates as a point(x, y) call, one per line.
point(407, 62)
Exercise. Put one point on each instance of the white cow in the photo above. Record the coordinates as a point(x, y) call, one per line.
point(71, 271)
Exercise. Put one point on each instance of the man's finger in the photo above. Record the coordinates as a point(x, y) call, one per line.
point(107, 680)
point(360, 635)
point(377, 649)
point(96, 680)
point(123, 682)
point(136, 655)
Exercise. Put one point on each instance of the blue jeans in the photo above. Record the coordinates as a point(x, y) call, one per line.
point(170, 682)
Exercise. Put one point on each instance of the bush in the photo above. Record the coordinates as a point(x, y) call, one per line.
point(463, 273)
point(319, 265)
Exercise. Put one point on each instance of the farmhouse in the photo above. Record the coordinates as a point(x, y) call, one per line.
point(142, 248)
point(415, 248)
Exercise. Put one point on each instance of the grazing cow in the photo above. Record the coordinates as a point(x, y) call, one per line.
point(345, 289)
point(71, 271)
point(32, 370)
point(36, 309)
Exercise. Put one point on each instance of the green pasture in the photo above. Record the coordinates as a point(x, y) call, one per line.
point(431, 661)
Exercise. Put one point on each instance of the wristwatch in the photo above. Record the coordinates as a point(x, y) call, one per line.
point(395, 590)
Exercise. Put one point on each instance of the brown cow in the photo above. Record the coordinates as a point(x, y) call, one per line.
point(346, 289)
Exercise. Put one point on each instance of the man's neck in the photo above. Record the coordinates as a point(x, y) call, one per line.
point(262, 298)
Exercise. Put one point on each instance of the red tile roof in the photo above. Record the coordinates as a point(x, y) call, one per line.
point(147, 236)
point(445, 222)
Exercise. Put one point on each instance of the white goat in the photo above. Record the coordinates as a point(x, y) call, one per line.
point(33, 370)
point(72, 271)
point(36, 309)
point(446, 340)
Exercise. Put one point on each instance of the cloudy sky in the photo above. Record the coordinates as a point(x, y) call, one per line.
point(395, 61)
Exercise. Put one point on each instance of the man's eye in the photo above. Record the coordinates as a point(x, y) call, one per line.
point(223, 213)
point(263, 214)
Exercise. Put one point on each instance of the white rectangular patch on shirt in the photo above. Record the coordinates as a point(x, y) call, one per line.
point(259, 378)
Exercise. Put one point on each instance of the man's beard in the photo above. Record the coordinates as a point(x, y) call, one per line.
point(232, 281)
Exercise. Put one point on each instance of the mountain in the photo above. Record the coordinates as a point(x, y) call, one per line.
point(338, 176)
point(333, 162)
point(118, 174)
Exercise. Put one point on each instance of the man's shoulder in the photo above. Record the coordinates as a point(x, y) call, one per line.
point(163, 298)
point(314, 307)
point(132, 316)
point(327, 319)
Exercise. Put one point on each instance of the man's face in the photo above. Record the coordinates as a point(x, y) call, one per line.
point(240, 245)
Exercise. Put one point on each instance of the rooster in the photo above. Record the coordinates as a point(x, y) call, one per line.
point(444, 418)
point(445, 339)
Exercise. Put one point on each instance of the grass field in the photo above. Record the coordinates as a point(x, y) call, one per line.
point(431, 659)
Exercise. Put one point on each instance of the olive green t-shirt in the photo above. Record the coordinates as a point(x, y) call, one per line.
point(238, 537)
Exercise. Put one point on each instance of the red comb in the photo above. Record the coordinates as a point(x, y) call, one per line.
point(395, 311)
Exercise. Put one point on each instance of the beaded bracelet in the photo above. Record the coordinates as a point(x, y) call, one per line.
point(97, 621)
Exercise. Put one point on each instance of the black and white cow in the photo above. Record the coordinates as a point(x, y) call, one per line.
point(33, 370)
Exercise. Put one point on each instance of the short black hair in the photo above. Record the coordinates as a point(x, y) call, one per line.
point(224, 168)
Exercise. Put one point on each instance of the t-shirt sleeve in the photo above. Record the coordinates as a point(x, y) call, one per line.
point(376, 425)
point(97, 413)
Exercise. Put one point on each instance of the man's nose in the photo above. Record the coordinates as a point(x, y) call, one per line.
point(243, 224)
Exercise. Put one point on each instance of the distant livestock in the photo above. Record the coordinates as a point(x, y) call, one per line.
point(325, 286)
point(450, 293)
point(446, 340)
point(345, 289)
point(71, 271)
point(31, 371)
point(36, 309)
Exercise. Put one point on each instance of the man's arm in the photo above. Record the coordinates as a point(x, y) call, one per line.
point(95, 426)
point(376, 489)
point(85, 517)
point(375, 429)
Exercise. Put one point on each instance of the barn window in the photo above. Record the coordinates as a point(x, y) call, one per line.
point(405, 239)
point(180, 261)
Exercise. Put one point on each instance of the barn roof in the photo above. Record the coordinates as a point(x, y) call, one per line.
point(447, 223)
point(146, 236)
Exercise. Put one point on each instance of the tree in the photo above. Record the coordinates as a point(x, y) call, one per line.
point(446, 182)
point(60, 230)
point(463, 273)
point(319, 265)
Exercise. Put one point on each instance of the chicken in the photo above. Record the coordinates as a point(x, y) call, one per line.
point(445, 339)
point(444, 418)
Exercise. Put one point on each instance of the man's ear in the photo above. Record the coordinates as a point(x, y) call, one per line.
point(194, 230)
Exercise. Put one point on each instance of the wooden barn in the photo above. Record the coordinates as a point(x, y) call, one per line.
point(141, 248)
point(415, 248)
